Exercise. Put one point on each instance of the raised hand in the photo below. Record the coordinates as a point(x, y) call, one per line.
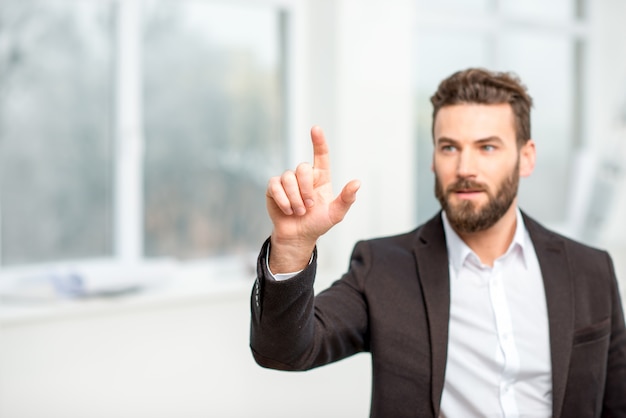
point(302, 207)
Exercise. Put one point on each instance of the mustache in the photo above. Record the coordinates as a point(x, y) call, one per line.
point(466, 184)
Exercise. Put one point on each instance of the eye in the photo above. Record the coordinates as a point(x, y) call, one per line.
point(448, 148)
point(488, 148)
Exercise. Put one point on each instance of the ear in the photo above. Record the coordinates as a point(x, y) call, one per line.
point(527, 155)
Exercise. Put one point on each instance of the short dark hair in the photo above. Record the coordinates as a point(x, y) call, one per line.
point(481, 86)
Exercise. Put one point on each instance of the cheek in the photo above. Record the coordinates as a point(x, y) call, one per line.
point(443, 177)
point(443, 168)
point(495, 169)
point(497, 175)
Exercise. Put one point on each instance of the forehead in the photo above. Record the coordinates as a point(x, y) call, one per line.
point(475, 121)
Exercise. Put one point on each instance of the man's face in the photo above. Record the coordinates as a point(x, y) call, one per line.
point(477, 164)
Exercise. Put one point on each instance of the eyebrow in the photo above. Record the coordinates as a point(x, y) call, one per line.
point(488, 139)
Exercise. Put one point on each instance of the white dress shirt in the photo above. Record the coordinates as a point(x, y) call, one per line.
point(498, 362)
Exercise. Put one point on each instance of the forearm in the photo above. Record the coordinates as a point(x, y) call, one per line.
point(282, 326)
point(292, 329)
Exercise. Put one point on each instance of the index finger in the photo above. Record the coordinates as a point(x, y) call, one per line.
point(321, 158)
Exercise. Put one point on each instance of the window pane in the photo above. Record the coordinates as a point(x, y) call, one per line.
point(55, 139)
point(439, 54)
point(553, 9)
point(213, 123)
point(544, 193)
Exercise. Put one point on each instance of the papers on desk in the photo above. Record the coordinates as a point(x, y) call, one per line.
point(83, 280)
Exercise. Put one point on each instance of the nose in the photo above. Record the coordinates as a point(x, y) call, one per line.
point(467, 164)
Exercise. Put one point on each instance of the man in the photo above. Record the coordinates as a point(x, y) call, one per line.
point(478, 312)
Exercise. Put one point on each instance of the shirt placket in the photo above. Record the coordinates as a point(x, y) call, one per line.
point(506, 342)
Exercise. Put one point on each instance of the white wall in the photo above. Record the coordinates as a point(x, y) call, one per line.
point(184, 357)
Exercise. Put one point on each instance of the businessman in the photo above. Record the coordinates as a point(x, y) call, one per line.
point(479, 312)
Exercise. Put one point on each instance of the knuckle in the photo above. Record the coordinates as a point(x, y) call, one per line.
point(303, 168)
point(274, 191)
point(287, 176)
point(271, 183)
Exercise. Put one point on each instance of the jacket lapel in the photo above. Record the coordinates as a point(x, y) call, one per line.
point(559, 298)
point(431, 256)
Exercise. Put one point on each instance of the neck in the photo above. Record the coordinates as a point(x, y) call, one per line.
point(493, 242)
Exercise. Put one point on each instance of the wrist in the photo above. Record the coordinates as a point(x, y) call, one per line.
point(286, 256)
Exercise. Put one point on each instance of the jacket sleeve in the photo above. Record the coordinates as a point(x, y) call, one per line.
point(292, 329)
point(614, 404)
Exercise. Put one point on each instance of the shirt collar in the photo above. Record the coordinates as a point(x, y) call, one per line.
point(458, 250)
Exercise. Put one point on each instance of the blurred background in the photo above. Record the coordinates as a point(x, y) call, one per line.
point(137, 138)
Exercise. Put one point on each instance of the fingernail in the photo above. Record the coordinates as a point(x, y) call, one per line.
point(309, 203)
point(300, 211)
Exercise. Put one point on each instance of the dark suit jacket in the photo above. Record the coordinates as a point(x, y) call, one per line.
point(394, 302)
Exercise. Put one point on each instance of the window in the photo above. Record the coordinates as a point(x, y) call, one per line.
point(132, 130)
point(213, 114)
point(55, 130)
point(522, 37)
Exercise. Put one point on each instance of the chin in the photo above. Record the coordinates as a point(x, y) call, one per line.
point(466, 205)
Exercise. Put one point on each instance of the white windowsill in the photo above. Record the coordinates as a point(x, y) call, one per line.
point(201, 282)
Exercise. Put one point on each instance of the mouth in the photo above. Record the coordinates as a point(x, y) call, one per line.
point(468, 193)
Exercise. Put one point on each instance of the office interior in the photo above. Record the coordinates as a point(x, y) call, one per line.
point(137, 137)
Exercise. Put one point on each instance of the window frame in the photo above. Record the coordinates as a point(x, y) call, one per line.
point(128, 142)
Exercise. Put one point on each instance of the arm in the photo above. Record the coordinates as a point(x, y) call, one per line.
point(302, 208)
point(291, 329)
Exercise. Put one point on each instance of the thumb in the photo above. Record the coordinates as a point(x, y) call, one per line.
point(342, 203)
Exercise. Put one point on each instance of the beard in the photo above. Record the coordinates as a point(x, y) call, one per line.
point(467, 216)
